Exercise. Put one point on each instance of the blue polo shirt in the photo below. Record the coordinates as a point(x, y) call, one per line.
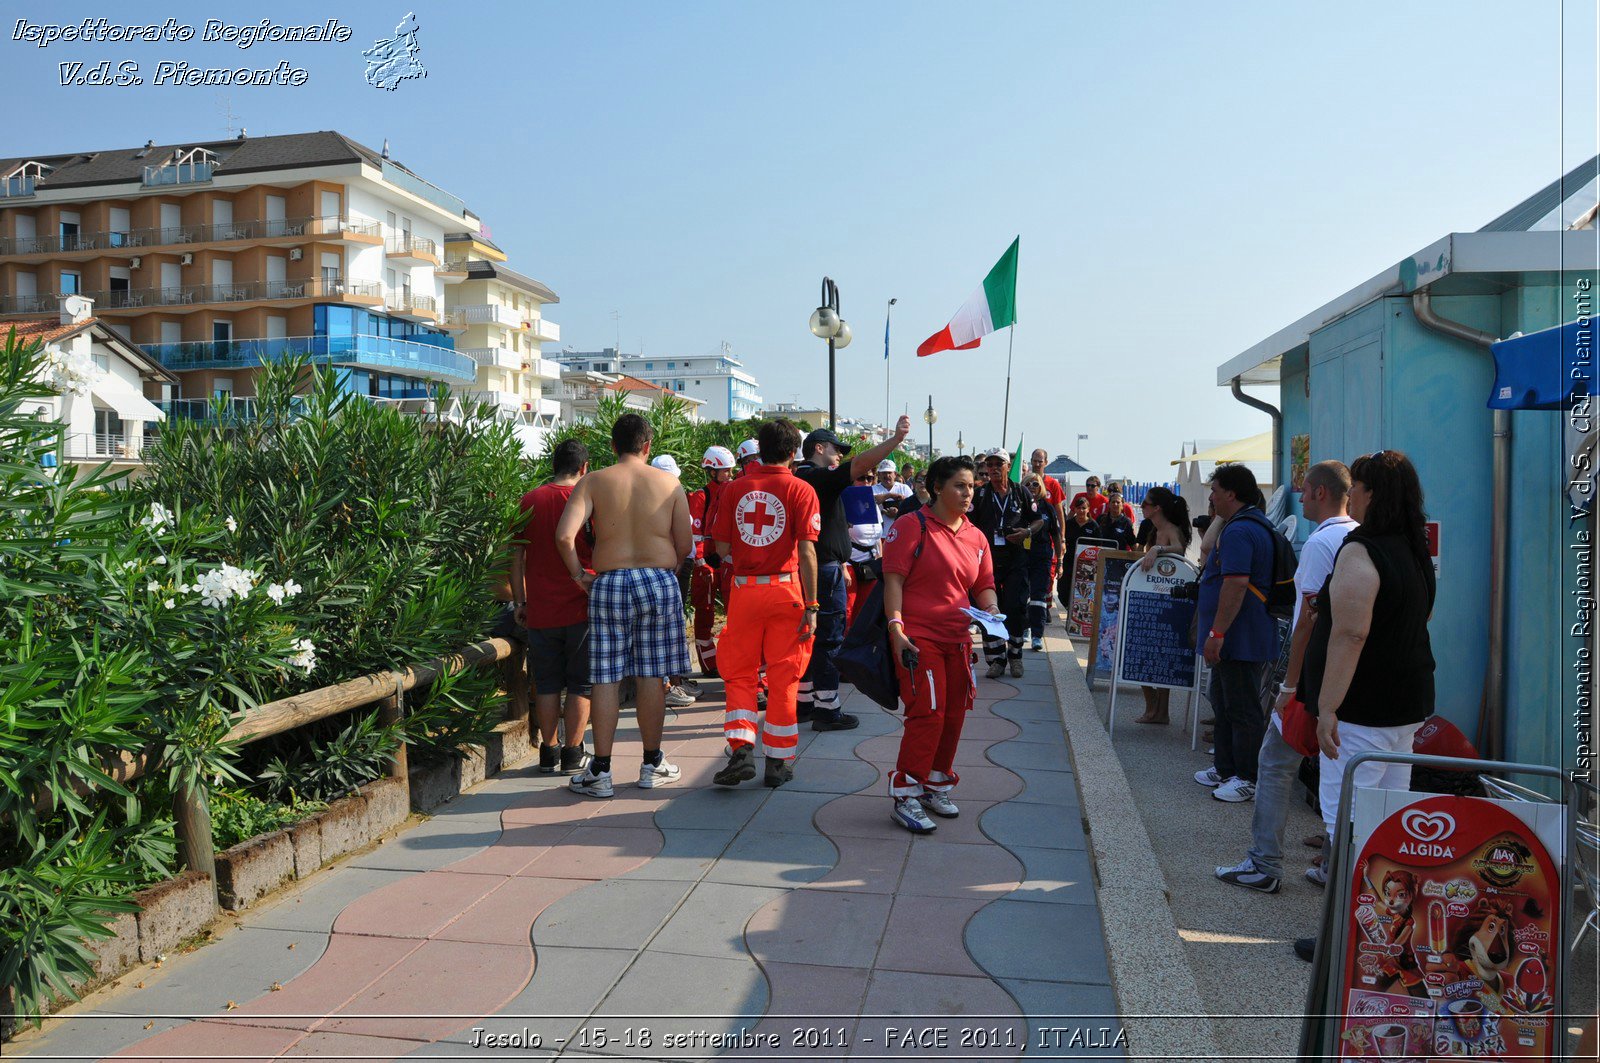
point(1243, 549)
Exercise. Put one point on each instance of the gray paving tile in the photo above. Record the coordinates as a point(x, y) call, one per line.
point(616, 914)
point(1017, 710)
point(1069, 1021)
point(788, 811)
point(685, 856)
point(831, 775)
point(89, 1035)
point(669, 994)
point(711, 920)
point(316, 905)
point(1041, 787)
point(434, 844)
point(820, 927)
point(712, 808)
point(566, 982)
point(1021, 755)
point(1057, 876)
point(1039, 942)
point(1049, 731)
point(1040, 826)
point(772, 859)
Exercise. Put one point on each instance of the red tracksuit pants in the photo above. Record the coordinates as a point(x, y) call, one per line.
point(937, 698)
point(703, 592)
point(764, 628)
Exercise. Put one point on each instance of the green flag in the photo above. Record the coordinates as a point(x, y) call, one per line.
point(1016, 463)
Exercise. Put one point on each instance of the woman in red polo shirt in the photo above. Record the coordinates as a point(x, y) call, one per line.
point(933, 560)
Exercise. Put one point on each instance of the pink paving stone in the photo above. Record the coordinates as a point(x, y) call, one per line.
point(904, 993)
point(350, 963)
point(551, 806)
point(986, 782)
point(505, 917)
point(867, 865)
point(977, 872)
point(964, 828)
point(826, 928)
point(927, 934)
point(983, 727)
point(516, 849)
point(857, 816)
point(442, 987)
point(813, 1002)
point(205, 1041)
point(597, 853)
point(415, 907)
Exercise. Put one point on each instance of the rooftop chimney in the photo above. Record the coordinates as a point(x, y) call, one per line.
point(76, 309)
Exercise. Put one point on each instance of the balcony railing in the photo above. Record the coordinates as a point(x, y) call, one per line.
point(401, 302)
point(486, 314)
point(197, 294)
point(546, 368)
point(101, 446)
point(185, 174)
point(16, 187)
point(410, 246)
point(406, 356)
point(177, 235)
point(494, 357)
point(545, 331)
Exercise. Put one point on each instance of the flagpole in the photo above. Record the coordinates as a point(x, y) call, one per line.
point(1005, 418)
point(887, 311)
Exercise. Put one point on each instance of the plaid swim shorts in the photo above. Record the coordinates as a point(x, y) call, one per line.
point(636, 625)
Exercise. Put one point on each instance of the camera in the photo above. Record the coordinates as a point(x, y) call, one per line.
point(1188, 592)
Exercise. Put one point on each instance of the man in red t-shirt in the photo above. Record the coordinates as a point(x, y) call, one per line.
point(558, 621)
point(703, 588)
point(767, 522)
point(1056, 495)
point(1091, 494)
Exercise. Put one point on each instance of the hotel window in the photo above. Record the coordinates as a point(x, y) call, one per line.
point(222, 331)
point(71, 282)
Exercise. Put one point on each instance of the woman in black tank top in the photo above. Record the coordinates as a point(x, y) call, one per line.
point(1368, 673)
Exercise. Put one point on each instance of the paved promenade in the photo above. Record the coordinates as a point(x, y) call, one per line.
point(679, 923)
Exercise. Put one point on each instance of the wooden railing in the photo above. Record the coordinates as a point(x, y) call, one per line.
point(383, 689)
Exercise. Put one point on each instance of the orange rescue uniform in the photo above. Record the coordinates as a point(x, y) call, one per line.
point(763, 516)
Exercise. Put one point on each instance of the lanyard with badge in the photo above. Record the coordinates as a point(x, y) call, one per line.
point(1005, 511)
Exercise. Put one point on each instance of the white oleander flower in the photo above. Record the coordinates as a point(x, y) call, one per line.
point(232, 524)
point(306, 657)
point(161, 559)
point(159, 517)
point(63, 372)
point(152, 586)
point(169, 603)
point(221, 585)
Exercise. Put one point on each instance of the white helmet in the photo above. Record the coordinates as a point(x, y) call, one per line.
point(667, 463)
point(717, 458)
point(749, 449)
point(888, 465)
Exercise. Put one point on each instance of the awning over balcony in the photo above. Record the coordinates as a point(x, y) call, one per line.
point(126, 400)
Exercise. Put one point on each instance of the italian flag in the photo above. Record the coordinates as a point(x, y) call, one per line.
point(990, 308)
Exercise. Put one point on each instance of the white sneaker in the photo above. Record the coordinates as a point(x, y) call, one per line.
point(1209, 777)
point(939, 804)
point(1317, 875)
point(1235, 790)
point(1038, 645)
point(909, 813)
point(678, 698)
point(651, 775)
point(591, 785)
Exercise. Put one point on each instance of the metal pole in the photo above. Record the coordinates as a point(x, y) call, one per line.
point(833, 420)
point(1005, 417)
point(888, 312)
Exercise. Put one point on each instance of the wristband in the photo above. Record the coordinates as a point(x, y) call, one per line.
point(1282, 689)
point(897, 622)
point(813, 605)
point(1215, 634)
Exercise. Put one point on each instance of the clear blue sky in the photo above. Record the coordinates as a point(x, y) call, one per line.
point(1186, 180)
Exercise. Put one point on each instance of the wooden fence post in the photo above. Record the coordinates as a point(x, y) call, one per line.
point(389, 712)
point(192, 825)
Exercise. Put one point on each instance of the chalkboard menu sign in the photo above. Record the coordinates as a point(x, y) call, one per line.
point(1106, 607)
point(1157, 648)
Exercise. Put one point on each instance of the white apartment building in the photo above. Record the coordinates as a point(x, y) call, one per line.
point(498, 317)
point(726, 391)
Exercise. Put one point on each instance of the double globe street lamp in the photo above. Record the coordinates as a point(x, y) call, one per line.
point(930, 415)
point(826, 324)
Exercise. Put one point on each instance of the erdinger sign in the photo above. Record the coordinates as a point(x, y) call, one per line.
point(1454, 933)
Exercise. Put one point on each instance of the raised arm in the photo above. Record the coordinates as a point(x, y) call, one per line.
point(867, 460)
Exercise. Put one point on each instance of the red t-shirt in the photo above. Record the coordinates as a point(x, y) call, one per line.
point(1097, 502)
point(763, 516)
point(954, 563)
point(555, 599)
point(1054, 493)
point(702, 511)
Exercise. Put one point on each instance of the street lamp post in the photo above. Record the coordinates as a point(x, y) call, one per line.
point(1081, 438)
point(961, 446)
point(826, 324)
point(930, 415)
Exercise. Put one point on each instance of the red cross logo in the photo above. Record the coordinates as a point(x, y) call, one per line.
point(760, 518)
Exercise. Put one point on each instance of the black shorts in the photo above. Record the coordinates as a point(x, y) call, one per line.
point(558, 657)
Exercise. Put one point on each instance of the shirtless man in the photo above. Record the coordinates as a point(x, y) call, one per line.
point(640, 517)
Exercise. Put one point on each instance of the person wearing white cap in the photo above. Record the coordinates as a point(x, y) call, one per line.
point(891, 491)
point(710, 577)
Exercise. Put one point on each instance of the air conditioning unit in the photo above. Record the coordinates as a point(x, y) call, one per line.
point(295, 254)
point(136, 263)
point(187, 260)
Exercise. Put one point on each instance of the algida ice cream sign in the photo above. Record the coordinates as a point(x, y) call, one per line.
point(1453, 937)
